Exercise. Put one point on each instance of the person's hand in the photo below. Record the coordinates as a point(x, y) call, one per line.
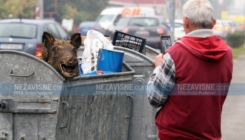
point(158, 60)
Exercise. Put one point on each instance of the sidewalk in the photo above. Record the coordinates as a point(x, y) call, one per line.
point(233, 116)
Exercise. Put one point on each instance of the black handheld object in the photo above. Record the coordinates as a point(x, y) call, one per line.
point(165, 43)
point(129, 41)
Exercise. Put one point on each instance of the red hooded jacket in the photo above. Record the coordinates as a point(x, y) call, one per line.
point(200, 60)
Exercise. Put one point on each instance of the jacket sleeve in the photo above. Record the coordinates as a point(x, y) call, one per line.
point(161, 82)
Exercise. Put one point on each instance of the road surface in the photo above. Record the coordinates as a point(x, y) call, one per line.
point(233, 116)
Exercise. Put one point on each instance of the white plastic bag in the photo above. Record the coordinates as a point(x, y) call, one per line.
point(93, 42)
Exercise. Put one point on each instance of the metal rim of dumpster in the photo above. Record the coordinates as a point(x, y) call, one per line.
point(148, 49)
point(35, 58)
point(130, 71)
point(152, 50)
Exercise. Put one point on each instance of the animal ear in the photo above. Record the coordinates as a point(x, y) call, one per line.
point(47, 39)
point(76, 40)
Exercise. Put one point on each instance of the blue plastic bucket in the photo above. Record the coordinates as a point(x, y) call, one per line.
point(110, 60)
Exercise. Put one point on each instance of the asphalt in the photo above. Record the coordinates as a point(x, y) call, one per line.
point(233, 116)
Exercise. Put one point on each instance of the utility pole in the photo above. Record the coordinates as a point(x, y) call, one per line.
point(171, 16)
point(39, 9)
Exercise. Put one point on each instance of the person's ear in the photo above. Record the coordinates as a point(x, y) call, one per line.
point(186, 24)
point(213, 23)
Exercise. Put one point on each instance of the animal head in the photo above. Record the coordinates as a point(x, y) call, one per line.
point(62, 54)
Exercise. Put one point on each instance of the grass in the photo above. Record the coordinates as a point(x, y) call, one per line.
point(237, 52)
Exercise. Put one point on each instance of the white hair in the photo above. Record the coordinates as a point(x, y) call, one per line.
point(199, 12)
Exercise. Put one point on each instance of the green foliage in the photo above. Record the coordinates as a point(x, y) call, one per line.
point(25, 8)
point(237, 52)
point(79, 10)
point(236, 39)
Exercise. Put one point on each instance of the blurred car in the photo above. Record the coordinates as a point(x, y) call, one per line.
point(229, 26)
point(239, 26)
point(178, 29)
point(26, 34)
point(85, 26)
point(149, 27)
point(219, 29)
point(108, 18)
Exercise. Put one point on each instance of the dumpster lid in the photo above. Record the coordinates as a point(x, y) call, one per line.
point(35, 58)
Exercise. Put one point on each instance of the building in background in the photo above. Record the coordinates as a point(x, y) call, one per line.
point(237, 7)
point(222, 8)
point(137, 2)
point(159, 5)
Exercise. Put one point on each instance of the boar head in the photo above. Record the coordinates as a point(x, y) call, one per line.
point(62, 54)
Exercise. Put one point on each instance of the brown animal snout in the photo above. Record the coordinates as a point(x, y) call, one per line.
point(72, 60)
point(69, 67)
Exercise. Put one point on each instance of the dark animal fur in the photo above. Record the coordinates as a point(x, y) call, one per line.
point(62, 54)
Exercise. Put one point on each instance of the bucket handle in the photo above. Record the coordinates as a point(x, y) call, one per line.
point(11, 73)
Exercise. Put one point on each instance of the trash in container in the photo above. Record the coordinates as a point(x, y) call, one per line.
point(93, 42)
point(110, 60)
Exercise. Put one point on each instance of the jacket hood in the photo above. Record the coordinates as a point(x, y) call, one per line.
point(210, 47)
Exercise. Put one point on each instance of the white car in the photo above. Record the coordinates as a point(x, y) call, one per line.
point(229, 26)
point(219, 29)
point(178, 29)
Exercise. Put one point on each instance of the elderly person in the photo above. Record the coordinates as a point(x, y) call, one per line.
point(185, 80)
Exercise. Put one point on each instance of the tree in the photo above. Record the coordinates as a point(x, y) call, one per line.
point(79, 10)
point(25, 8)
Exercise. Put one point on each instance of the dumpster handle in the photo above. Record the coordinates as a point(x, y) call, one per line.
point(131, 112)
point(64, 125)
point(11, 73)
